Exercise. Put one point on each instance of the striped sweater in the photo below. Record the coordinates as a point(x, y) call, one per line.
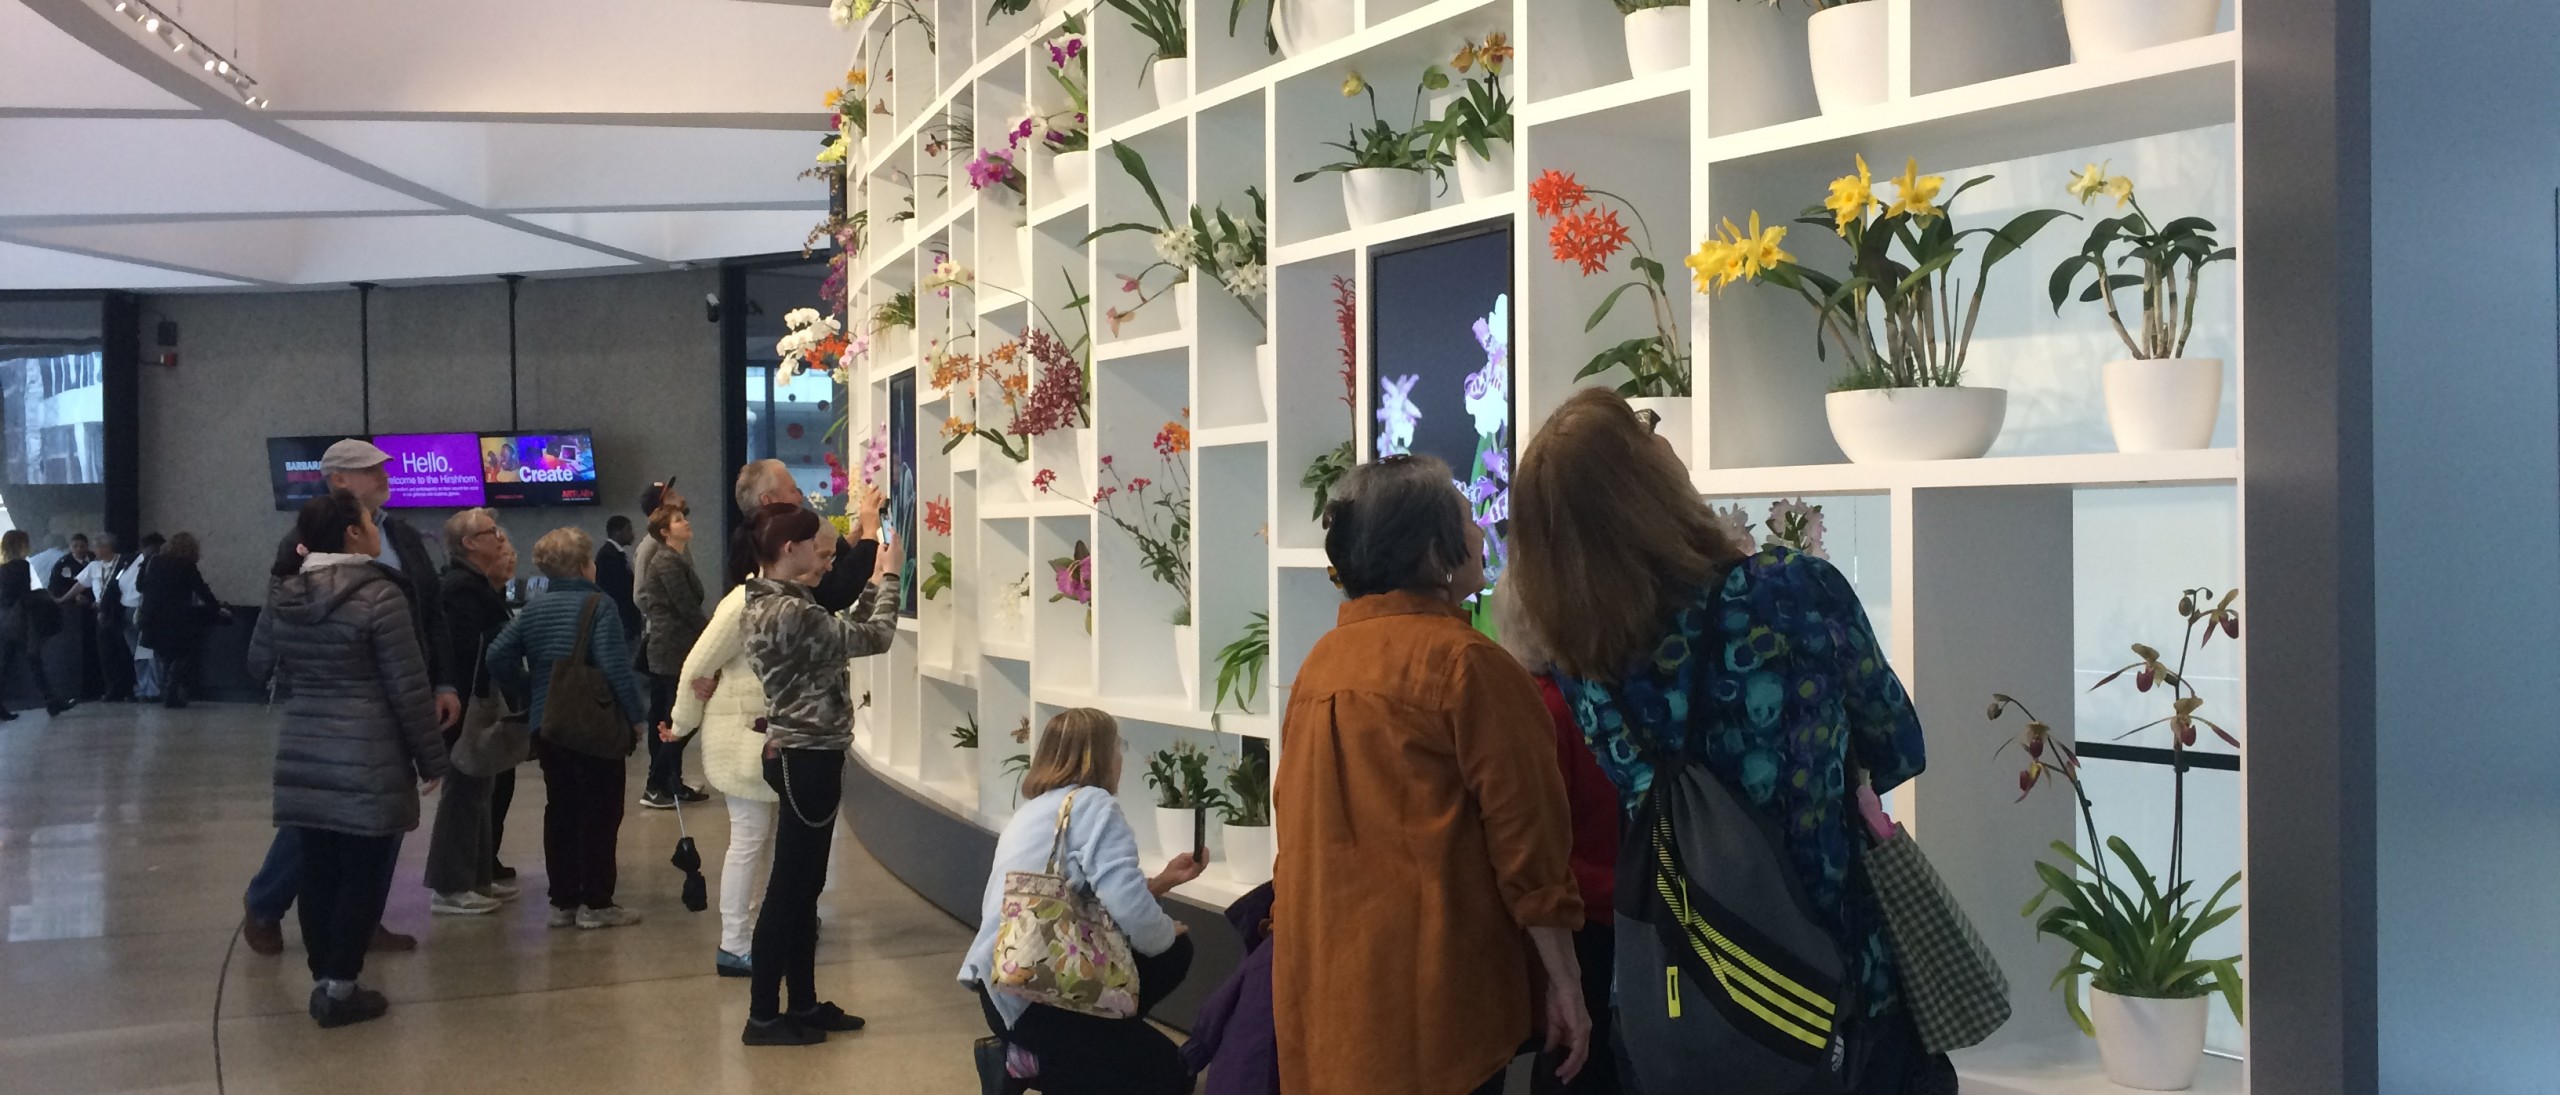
point(800, 651)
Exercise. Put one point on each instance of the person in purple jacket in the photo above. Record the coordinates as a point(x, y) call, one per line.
point(1233, 1037)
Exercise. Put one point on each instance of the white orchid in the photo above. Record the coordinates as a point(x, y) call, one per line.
point(808, 330)
point(1248, 279)
point(1175, 246)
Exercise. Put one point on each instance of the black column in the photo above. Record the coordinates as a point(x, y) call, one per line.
point(121, 333)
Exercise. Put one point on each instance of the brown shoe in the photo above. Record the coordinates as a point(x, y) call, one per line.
point(264, 936)
point(384, 939)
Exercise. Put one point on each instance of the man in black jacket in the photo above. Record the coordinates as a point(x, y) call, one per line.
point(356, 466)
point(617, 577)
point(768, 482)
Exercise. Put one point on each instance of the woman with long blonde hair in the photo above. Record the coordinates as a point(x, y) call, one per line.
point(1673, 640)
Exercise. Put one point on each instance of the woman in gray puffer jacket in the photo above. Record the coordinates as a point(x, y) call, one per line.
point(359, 736)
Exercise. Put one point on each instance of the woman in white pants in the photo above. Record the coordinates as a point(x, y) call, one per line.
point(722, 700)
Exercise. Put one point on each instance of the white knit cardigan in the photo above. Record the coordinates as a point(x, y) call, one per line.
point(732, 750)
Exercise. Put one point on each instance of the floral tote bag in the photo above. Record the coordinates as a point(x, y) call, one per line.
point(1058, 946)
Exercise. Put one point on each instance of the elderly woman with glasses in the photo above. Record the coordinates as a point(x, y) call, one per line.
point(462, 855)
point(1422, 822)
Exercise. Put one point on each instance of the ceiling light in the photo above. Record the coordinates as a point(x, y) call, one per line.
point(121, 5)
point(181, 47)
point(151, 25)
point(225, 68)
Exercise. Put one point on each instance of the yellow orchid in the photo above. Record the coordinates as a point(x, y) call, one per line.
point(832, 99)
point(1466, 59)
point(1760, 250)
point(1496, 51)
point(1352, 85)
point(2088, 182)
point(860, 77)
point(2121, 189)
point(1710, 262)
point(1915, 193)
point(1852, 196)
point(834, 152)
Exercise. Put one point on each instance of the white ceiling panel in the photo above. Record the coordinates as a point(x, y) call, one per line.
point(23, 267)
point(689, 236)
point(334, 249)
point(112, 166)
point(40, 66)
point(553, 166)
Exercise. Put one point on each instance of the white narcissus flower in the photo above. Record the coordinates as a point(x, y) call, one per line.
point(1175, 246)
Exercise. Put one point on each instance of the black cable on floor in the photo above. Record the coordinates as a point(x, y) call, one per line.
point(221, 982)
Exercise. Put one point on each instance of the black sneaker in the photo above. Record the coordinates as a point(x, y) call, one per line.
point(693, 794)
point(362, 1005)
point(657, 800)
point(827, 1017)
point(781, 1031)
point(502, 873)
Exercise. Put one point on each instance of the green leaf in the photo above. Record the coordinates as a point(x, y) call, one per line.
point(1601, 313)
point(1136, 166)
point(2064, 275)
point(1124, 226)
point(2017, 232)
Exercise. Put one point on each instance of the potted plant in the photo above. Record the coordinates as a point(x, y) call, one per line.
point(1161, 530)
point(2148, 992)
point(1240, 665)
point(1292, 27)
point(1244, 825)
point(1160, 23)
point(1330, 466)
point(1233, 252)
point(2161, 399)
point(1585, 231)
point(1058, 402)
point(1390, 169)
point(1475, 131)
point(965, 735)
point(1180, 778)
point(1067, 133)
point(1899, 322)
point(1073, 576)
point(2104, 28)
point(1845, 41)
point(1657, 35)
point(937, 577)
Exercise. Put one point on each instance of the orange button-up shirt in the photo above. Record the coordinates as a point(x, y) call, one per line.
point(1423, 829)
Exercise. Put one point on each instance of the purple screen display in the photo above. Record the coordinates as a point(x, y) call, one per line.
point(433, 470)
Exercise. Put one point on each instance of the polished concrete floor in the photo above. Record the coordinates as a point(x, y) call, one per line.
point(127, 833)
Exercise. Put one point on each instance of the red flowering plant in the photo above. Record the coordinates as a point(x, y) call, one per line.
point(1161, 524)
point(1330, 466)
point(1056, 399)
point(1587, 233)
point(962, 374)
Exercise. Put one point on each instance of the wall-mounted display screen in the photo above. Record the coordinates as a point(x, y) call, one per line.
point(902, 485)
point(1440, 368)
point(53, 418)
point(433, 470)
point(548, 468)
point(293, 467)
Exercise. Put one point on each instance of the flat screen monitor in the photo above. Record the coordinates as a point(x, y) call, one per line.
point(539, 468)
point(293, 468)
point(433, 470)
point(1440, 367)
point(53, 418)
point(902, 484)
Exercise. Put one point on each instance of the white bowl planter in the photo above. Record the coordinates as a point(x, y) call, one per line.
point(1677, 413)
point(1172, 78)
point(1186, 661)
point(1174, 830)
point(1847, 47)
point(1376, 195)
point(2149, 1045)
point(2163, 405)
point(1303, 25)
point(1885, 425)
point(2105, 28)
point(1071, 174)
point(1657, 40)
point(1482, 177)
point(1246, 851)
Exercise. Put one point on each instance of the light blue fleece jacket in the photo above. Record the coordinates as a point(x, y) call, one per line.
point(1101, 855)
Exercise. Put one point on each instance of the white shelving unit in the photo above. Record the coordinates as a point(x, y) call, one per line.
point(1975, 579)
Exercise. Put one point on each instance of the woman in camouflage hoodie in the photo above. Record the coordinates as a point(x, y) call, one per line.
point(799, 650)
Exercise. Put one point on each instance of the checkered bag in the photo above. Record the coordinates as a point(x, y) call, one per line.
point(1955, 989)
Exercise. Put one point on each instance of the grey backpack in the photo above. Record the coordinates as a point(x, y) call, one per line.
point(1727, 980)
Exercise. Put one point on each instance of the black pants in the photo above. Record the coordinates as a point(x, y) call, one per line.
point(581, 819)
point(177, 675)
point(345, 880)
point(666, 758)
point(811, 783)
point(29, 652)
point(502, 794)
point(115, 659)
point(1090, 1055)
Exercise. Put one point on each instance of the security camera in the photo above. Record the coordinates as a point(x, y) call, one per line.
point(711, 307)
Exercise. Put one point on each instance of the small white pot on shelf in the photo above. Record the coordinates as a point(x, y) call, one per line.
point(1172, 79)
point(1186, 661)
point(1888, 425)
point(1847, 45)
point(1678, 415)
point(1071, 175)
point(1246, 850)
point(1484, 177)
point(2149, 1045)
point(2105, 28)
point(1376, 195)
point(1173, 829)
point(1303, 25)
point(1657, 40)
point(2163, 405)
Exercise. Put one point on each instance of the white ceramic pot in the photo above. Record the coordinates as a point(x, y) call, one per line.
point(1657, 40)
point(1303, 25)
point(1247, 852)
point(1266, 380)
point(1172, 78)
point(1071, 174)
point(1376, 195)
point(1173, 829)
point(2149, 1045)
point(1480, 178)
point(1847, 47)
point(1186, 661)
point(1886, 425)
point(2163, 405)
point(1677, 416)
point(2105, 28)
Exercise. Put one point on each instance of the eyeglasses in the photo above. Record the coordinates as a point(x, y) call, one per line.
point(1652, 420)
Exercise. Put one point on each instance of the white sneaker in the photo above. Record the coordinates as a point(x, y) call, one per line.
point(611, 916)
point(500, 891)
point(461, 903)
point(562, 918)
